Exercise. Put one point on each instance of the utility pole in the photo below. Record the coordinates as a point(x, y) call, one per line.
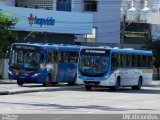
point(122, 31)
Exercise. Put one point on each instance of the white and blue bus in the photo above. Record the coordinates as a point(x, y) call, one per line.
point(43, 63)
point(114, 68)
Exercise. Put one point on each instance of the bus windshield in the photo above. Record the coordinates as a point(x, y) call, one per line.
point(93, 62)
point(22, 59)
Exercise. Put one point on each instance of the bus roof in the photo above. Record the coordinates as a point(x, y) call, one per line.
point(123, 51)
point(131, 51)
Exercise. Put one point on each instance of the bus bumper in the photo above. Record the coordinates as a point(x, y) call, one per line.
point(25, 79)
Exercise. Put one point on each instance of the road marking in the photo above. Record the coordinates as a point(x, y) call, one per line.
point(121, 106)
point(19, 108)
point(94, 111)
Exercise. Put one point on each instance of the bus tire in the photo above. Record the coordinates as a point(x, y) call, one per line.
point(71, 83)
point(138, 87)
point(117, 85)
point(54, 83)
point(20, 83)
point(47, 81)
point(88, 87)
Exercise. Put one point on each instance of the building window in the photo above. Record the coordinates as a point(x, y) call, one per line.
point(63, 5)
point(90, 5)
point(36, 6)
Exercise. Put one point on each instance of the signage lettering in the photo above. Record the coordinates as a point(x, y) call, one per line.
point(40, 21)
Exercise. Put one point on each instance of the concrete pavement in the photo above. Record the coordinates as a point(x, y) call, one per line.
point(8, 87)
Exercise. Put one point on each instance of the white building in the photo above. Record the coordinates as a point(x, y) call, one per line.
point(7, 2)
point(106, 16)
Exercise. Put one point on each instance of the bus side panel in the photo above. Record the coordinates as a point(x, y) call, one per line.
point(66, 72)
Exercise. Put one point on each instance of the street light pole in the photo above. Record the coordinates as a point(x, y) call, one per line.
point(122, 31)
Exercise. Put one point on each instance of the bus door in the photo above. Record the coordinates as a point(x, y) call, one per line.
point(52, 64)
point(126, 70)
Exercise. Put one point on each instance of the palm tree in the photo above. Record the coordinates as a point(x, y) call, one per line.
point(154, 45)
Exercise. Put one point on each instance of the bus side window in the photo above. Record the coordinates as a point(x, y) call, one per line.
point(133, 60)
point(50, 56)
point(114, 61)
point(73, 57)
point(42, 58)
point(55, 56)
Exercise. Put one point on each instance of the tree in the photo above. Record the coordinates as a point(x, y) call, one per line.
point(7, 37)
point(154, 45)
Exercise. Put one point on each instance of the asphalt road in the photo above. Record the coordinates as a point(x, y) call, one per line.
point(79, 101)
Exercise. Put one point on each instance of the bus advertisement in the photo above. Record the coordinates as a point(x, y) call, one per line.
point(114, 68)
point(43, 63)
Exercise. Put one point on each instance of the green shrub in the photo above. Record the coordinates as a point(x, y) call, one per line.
point(0, 76)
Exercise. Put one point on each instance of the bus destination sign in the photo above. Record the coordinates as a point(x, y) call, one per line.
point(95, 51)
point(25, 47)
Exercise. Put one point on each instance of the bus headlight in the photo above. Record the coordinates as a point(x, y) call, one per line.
point(35, 75)
point(10, 72)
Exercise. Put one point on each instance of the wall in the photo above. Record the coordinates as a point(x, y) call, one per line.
point(106, 20)
point(38, 20)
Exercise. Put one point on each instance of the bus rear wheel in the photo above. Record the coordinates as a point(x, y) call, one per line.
point(20, 83)
point(47, 81)
point(138, 87)
point(88, 87)
point(71, 83)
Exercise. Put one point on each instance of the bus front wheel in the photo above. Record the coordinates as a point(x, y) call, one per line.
point(117, 85)
point(88, 87)
point(71, 83)
point(20, 83)
point(47, 81)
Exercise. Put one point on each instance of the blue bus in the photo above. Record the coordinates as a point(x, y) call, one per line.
point(114, 68)
point(43, 63)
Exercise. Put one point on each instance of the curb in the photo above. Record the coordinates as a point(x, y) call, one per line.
point(11, 92)
point(4, 92)
point(8, 82)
